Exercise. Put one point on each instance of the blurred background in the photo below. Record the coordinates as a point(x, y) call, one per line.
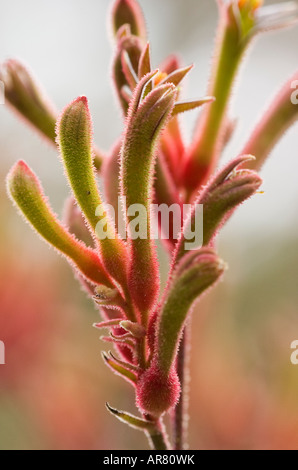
point(54, 385)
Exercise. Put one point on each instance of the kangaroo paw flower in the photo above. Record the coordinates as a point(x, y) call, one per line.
point(26, 191)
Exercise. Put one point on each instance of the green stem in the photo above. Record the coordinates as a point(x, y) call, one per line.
point(179, 421)
point(181, 411)
point(207, 144)
point(157, 437)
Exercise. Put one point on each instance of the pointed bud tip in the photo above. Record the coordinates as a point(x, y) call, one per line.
point(79, 100)
point(247, 158)
point(75, 115)
point(104, 356)
point(20, 164)
point(111, 410)
point(82, 99)
point(19, 169)
point(247, 177)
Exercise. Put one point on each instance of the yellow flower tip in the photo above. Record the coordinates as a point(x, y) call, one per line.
point(159, 77)
point(250, 4)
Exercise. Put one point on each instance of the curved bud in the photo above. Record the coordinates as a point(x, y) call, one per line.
point(128, 70)
point(145, 121)
point(26, 96)
point(132, 421)
point(133, 47)
point(135, 329)
point(280, 116)
point(239, 22)
point(122, 340)
point(182, 107)
point(154, 430)
point(26, 191)
point(229, 188)
point(192, 279)
point(128, 12)
point(74, 137)
point(106, 296)
point(176, 76)
point(119, 369)
point(127, 365)
point(158, 389)
point(107, 323)
point(145, 62)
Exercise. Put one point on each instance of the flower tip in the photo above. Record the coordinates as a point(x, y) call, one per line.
point(246, 158)
point(249, 156)
point(111, 410)
point(20, 167)
point(19, 179)
point(21, 164)
point(82, 99)
point(251, 4)
point(258, 181)
point(75, 115)
point(128, 12)
point(77, 101)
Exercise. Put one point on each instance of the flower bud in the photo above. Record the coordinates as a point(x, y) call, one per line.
point(229, 188)
point(25, 95)
point(145, 121)
point(196, 273)
point(26, 191)
point(157, 392)
point(128, 12)
point(74, 136)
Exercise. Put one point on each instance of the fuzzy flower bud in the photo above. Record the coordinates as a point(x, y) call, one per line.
point(26, 97)
point(128, 12)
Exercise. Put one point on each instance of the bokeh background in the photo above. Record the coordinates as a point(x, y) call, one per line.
point(53, 387)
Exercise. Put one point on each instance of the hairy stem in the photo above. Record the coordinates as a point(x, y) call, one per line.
point(206, 147)
point(180, 418)
point(157, 437)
